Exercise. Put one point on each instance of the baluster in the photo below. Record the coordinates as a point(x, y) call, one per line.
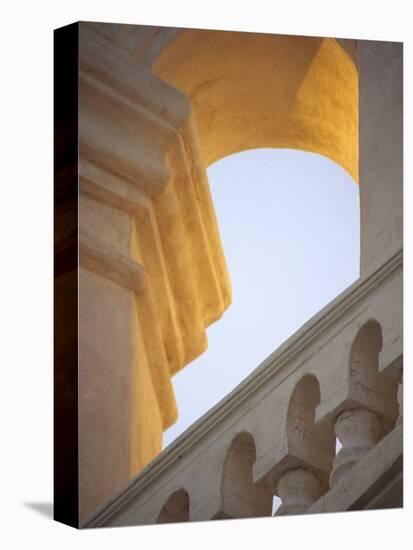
point(298, 490)
point(358, 431)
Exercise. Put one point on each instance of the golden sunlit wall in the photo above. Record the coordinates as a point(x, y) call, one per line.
point(255, 90)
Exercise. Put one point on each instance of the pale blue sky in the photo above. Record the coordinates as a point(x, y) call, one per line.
point(289, 224)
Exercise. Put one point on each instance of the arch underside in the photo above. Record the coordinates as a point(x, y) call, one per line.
point(249, 90)
point(252, 90)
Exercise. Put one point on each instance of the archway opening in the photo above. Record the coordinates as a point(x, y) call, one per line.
point(239, 496)
point(250, 90)
point(289, 223)
point(176, 509)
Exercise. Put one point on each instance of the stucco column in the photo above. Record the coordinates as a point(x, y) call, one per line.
point(380, 149)
point(153, 274)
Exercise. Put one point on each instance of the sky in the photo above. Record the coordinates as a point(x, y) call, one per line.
point(289, 224)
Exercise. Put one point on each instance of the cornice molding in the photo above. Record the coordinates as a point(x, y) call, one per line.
point(107, 263)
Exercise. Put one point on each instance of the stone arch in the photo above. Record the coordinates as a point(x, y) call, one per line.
point(306, 453)
point(364, 354)
point(370, 408)
point(368, 387)
point(144, 141)
point(254, 90)
point(239, 496)
point(176, 508)
point(308, 441)
point(251, 90)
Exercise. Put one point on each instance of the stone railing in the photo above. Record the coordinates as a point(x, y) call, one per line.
point(339, 377)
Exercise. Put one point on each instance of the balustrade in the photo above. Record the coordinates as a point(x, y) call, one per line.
point(276, 432)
